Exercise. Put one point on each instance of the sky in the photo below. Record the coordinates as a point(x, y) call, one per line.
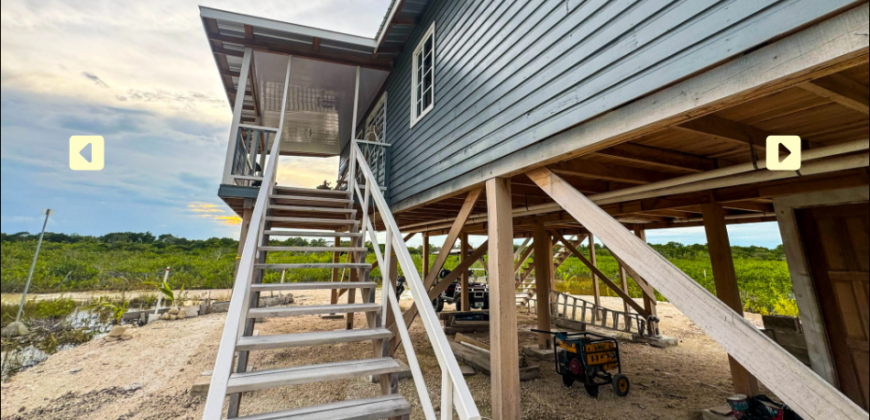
point(140, 74)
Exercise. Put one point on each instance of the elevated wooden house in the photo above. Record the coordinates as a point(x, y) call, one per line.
point(546, 120)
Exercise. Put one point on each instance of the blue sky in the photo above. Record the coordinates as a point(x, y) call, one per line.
point(140, 74)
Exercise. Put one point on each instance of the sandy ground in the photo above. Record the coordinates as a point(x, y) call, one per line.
point(149, 377)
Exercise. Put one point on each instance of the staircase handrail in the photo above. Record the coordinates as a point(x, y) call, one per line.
point(241, 297)
point(455, 390)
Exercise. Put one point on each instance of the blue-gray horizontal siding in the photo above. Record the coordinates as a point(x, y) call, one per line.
point(513, 73)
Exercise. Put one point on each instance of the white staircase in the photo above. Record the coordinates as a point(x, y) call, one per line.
point(278, 209)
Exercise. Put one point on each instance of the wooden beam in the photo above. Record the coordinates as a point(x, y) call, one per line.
point(543, 272)
point(645, 154)
point(804, 391)
point(842, 90)
point(606, 171)
point(727, 130)
point(727, 289)
point(503, 307)
point(249, 32)
point(601, 275)
point(315, 46)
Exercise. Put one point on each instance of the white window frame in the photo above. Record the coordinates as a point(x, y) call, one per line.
point(414, 79)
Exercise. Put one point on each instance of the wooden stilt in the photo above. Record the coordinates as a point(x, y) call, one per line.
point(466, 280)
point(426, 253)
point(596, 286)
point(650, 302)
point(623, 277)
point(503, 317)
point(543, 275)
point(726, 284)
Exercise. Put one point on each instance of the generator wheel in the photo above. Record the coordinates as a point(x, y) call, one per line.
point(592, 390)
point(568, 380)
point(621, 385)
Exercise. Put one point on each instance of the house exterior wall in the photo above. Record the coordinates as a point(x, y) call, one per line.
point(509, 74)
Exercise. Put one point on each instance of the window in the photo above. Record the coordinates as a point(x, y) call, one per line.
point(423, 88)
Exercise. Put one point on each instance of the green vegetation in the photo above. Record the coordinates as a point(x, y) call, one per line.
point(52, 310)
point(130, 261)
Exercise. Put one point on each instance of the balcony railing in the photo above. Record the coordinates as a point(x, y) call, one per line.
point(251, 151)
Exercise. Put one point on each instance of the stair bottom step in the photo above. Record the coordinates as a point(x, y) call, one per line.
point(370, 409)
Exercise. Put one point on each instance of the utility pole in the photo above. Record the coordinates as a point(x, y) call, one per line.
point(47, 213)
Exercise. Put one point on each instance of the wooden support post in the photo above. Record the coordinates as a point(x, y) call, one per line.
point(650, 301)
point(543, 274)
point(596, 286)
point(247, 213)
point(426, 253)
point(503, 310)
point(726, 284)
point(466, 280)
point(623, 277)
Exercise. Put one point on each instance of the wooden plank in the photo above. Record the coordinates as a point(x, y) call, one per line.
point(256, 381)
point(631, 152)
point(805, 392)
point(464, 339)
point(503, 307)
point(727, 288)
point(842, 90)
point(610, 172)
point(640, 310)
point(274, 342)
point(726, 130)
point(543, 267)
point(313, 310)
point(479, 359)
point(369, 409)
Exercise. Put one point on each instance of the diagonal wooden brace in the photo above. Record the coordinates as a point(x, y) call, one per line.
point(802, 389)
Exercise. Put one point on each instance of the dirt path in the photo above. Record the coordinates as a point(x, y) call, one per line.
point(149, 377)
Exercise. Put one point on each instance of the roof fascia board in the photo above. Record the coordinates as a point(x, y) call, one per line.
point(398, 4)
point(209, 13)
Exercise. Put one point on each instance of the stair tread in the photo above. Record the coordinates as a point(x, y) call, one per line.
point(368, 409)
point(267, 379)
point(311, 286)
point(274, 342)
point(278, 312)
point(313, 221)
point(305, 234)
point(311, 249)
point(310, 199)
point(312, 209)
point(312, 191)
point(302, 266)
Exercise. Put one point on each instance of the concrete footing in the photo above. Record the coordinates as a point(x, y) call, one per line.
point(540, 354)
point(718, 413)
point(662, 342)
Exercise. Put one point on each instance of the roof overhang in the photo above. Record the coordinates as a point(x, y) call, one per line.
point(398, 24)
point(230, 33)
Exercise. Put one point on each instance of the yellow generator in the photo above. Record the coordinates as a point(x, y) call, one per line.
point(591, 359)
